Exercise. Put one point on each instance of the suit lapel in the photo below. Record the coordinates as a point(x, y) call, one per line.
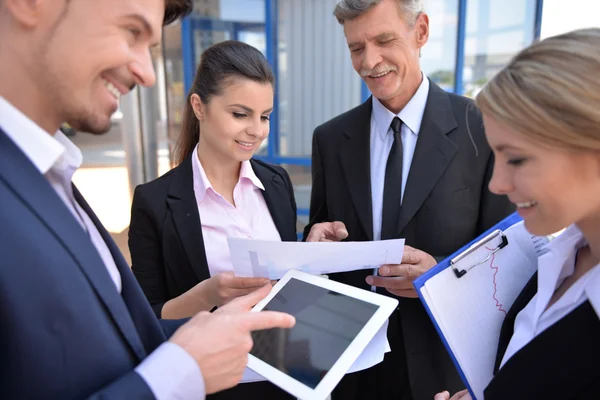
point(35, 191)
point(559, 363)
point(356, 158)
point(277, 198)
point(182, 203)
point(140, 312)
point(433, 153)
point(508, 325)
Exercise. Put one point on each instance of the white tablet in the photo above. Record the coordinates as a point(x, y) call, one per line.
point(334, 323)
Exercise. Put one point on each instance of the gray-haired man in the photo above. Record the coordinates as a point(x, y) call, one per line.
point(411, 162)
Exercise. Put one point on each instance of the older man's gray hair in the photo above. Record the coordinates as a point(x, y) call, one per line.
point(346, 10)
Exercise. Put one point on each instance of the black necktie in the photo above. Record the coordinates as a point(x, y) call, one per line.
point(392, 187)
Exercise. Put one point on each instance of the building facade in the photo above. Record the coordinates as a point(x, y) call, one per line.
point(469, 41)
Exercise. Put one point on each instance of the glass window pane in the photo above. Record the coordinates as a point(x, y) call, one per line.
point(557, 18)
point(105, 171)
point(438, 57)
point(242, 10)
point(495, 31)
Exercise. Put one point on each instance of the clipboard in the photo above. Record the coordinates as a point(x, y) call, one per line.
point(468, 295)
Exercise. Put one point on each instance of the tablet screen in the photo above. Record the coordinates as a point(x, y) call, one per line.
point(326, 323)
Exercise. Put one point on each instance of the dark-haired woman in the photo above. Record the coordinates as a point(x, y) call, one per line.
point(180, 222)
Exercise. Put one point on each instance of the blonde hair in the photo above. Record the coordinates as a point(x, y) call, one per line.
point(550, 91)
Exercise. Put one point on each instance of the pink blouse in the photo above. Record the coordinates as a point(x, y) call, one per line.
point(249, 218)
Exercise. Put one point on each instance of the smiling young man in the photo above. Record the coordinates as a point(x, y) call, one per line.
point(75, 323)
point(411, 162)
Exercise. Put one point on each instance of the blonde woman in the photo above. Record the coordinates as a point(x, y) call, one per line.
point(542, 120)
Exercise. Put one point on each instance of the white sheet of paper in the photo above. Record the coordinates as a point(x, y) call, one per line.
point(372, 355)
point(374, 352)
point(470, 310)
point(261, 258)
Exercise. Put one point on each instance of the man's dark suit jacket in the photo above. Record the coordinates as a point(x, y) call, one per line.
point(446, 204)
point(559, 363)
point(66, 331)
point(167, 248)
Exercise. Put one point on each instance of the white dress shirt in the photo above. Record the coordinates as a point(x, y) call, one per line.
point(553, 268)
point(169, 371)
point(382, 139)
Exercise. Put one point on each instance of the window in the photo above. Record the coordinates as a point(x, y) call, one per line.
point(495, 31)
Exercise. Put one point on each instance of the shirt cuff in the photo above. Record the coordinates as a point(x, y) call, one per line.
point(171, 373)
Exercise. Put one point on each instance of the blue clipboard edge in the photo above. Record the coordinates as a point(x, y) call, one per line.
point(420, 282)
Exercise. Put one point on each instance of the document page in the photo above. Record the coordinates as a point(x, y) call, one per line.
point(470, 310)
point(261, 258)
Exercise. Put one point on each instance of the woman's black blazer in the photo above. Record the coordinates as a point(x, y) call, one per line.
point(562, 362)
point(165, 234)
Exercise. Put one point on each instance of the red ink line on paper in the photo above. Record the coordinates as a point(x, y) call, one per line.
point(498, 304)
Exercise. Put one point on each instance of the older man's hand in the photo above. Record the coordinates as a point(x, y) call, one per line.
point(327, 232)
point(445, 395)
point(398, 278)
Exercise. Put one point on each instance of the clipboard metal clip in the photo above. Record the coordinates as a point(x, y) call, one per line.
point(460, 272)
